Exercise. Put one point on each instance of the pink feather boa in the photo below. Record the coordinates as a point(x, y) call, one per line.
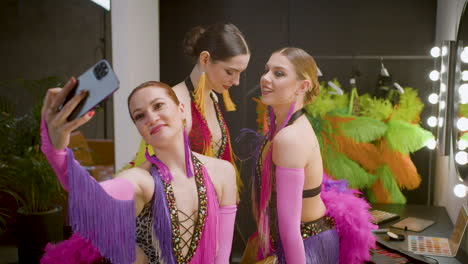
point(75, 250)
point(352, 219)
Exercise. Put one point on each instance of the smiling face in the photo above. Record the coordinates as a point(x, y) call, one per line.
point(158, 118)
point(222, 75)
point(279, 83)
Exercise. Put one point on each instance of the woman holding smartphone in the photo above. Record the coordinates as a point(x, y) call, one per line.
point(300, 217)
point(180, 209)
point(220, 54)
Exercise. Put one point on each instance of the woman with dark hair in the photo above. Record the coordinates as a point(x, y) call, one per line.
point(301, 217)
point(180, 209)
point(220, 54)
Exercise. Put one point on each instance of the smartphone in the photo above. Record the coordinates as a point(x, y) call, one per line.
point(100, 81)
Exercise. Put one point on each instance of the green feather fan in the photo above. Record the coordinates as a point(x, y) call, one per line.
point(363, 129)
point(375, 108)
point(385, 175)
point(326, 102)
point(405, 137)
point(463, 110)
point(464, 137)
point(409, 106)
point(341, 167)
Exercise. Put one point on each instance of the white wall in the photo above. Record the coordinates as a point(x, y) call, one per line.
point(448, 17)
point(135, 55)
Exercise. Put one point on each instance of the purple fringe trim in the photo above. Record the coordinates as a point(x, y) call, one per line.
point(162, 225)
point(165, 175)
point(107, 222)
point(323, 248)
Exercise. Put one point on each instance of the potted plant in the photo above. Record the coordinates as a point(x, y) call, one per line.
point(26, 175)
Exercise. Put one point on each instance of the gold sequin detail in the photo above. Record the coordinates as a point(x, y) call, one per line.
point(316, 227)
point(202, 212)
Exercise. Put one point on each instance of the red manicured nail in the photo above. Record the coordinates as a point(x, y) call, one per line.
point(91, 113)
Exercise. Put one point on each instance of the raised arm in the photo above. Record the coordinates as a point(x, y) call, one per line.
point(92, 206)
point(288, 156)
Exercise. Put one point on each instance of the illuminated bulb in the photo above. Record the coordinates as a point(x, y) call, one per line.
point(463, 89)
point(432, 121)
point(431, 144)
point(435, 52)
point(433, 98)
point(464, 55)
point(462, 124)
point(442, 69)
point(441, 121)
point(465, 75)
point(461, 157)
point(442, 104)
point(434, 75)
point(444, 50)
point(443, 88)
point(462, 144)
point(463, 93)
point(460, 190)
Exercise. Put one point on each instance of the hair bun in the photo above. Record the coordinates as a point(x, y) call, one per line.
point(191, 40)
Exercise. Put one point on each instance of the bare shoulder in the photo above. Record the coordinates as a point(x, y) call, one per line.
point(288, 137)
point(182, 92)
point(216, 166)
point(290, 148)
point(134, 174)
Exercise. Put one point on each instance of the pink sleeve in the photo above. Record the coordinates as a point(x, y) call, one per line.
point(227, 217)
point(118, 188)
point(57, 158)
point(289, 187)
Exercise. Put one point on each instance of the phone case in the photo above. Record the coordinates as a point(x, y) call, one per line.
point(100, 82)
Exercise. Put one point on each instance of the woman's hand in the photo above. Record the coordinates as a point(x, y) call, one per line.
point(59, 128)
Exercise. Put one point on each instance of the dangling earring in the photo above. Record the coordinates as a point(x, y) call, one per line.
point(188, 152)
point(199, 94)
point(228, 103)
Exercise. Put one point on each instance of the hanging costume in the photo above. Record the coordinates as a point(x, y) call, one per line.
point(342, 235)
point(200, 137)
point(102, 215)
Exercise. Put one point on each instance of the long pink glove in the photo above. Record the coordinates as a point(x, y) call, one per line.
point(227, 217)
point(118, 188)
point(289, 187)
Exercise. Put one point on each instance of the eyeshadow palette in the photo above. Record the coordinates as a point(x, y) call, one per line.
point(429, 245)
point(381, 217)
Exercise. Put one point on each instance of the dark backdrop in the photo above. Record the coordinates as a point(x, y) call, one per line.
point(341, 35)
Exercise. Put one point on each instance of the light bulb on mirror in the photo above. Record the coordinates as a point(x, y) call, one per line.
point(431, 144)
point(432, 121)
point(433, 98)
point(434, 75)
point(443, 88)
point(460, 190)
point(463, 93)
point(461, 157)
point(462, 124)
point(464, 55)
point(465, 76)
point(441, 121)
point(444, 50)
point(442, 105)
point(462, 144)
point(435, 52)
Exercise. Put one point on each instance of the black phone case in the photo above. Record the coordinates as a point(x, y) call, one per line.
point(98, 87)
